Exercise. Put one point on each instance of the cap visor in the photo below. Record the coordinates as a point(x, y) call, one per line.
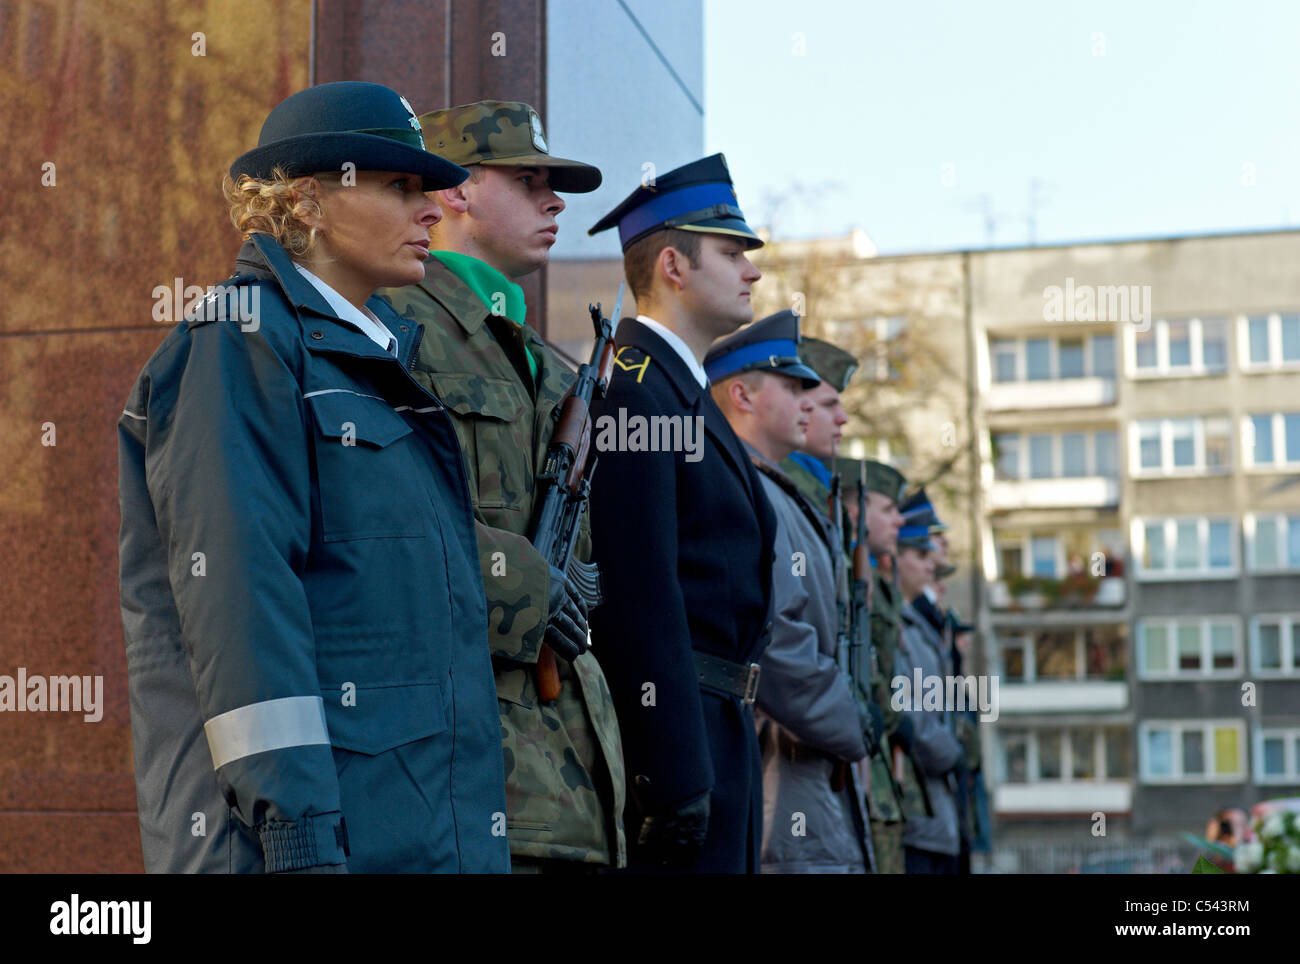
point(571, 177)
point(734, 227)
point(805, 374)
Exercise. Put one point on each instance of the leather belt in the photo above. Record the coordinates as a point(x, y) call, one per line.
point(735, 679)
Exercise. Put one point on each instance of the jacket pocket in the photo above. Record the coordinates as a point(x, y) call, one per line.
point(384, 717)
point(367, 479)
point(500, 464)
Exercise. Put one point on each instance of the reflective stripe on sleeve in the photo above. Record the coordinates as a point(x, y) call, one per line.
point(270, 725)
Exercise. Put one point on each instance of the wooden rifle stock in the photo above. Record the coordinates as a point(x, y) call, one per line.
point(573, 432)
point(548, 675)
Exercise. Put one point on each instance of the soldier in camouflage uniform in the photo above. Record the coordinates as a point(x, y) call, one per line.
point(502, 384)
point(885, 487)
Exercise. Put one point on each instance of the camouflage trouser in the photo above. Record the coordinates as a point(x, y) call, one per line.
point(888, 841)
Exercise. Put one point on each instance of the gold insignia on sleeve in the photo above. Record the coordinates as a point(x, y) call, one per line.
point(638, 368)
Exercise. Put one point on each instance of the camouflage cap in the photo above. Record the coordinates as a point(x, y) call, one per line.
point(881, 478)
point(833, 365)
point(885, 479)
point(500, 133)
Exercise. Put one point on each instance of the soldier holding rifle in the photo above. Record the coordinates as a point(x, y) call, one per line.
point(502, 385)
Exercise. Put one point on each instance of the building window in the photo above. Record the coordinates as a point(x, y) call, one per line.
point(1185, 548)
point(1214, 345)
point(1015, 756)
point(1038, 359)
point(1040, 457)
point(1182, 446)
point(1106, 456)
point(1188, 751)
point(1096, 654)
point(1005, 360)
point(1150, 449)
point(1015, 659)
point(1043, 554)
point(1074, 455)
point(1275, 644)
point(1145, 354)
point(1271, 341)
point(1272, 542)
point(1064, 755)
point(1119, 757)
point(1106, 653)
point(1103, 355)
point(1044, 359)
point(1277, 754)
point(1271, 440)
point(1189, 346)
point(1006, 450)
point(1068, 455)
point(1069, 358)
point(1180, 344)
point(1180, 648)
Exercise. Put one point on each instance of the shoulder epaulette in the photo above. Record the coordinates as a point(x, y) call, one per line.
point(233, 299)
point(632, 359)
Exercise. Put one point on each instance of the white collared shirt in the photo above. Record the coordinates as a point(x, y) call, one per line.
point(361, 319)
point(676, 344)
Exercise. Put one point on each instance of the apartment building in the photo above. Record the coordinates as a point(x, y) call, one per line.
point(1129, 514)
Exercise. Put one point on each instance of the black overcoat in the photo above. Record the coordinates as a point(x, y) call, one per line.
point(684, 542)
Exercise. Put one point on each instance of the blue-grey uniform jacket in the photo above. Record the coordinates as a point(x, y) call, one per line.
point(807, 720)
point(935, 746)
point(301, 598)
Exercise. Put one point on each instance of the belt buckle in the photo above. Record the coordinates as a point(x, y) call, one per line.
point(751, 685)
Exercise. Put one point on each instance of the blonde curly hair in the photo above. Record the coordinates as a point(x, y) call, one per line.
point(277, 206)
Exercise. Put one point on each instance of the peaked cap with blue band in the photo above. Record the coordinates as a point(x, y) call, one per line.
point(698, 196)
point(324, 127)
point(770, 344)
point(915, 537)
point(917, 509)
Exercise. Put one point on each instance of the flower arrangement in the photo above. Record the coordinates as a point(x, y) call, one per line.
point(1275, 848)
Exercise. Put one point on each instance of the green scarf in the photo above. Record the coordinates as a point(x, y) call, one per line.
point(488, 283)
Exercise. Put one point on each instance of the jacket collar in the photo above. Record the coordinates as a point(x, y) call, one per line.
point(441, 284)
point(264, 255)
point(639, 336)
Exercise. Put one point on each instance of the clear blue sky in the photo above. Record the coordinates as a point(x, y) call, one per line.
point(1146, 140)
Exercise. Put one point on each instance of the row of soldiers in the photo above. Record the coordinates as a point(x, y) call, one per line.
point(704, 718)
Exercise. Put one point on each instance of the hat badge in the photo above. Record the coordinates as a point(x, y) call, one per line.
point(539, 139)
point(412, 119)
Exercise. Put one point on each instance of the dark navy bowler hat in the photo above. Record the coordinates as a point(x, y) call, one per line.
point(324, 127)
point(770, 344)
point(698, 196)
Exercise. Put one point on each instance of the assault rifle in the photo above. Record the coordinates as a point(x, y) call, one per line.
point(564, 485)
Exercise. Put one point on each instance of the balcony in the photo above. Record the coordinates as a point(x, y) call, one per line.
point(1063, 696)
point(1078, 591)
point(1097, 492)
point(1050, 393)
point(1052, 796)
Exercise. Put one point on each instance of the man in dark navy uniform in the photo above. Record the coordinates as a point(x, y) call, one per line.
point(683, 535)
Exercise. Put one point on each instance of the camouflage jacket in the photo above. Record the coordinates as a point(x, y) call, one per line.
point(882, 801)
point(563, 760)
point(886, 627)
